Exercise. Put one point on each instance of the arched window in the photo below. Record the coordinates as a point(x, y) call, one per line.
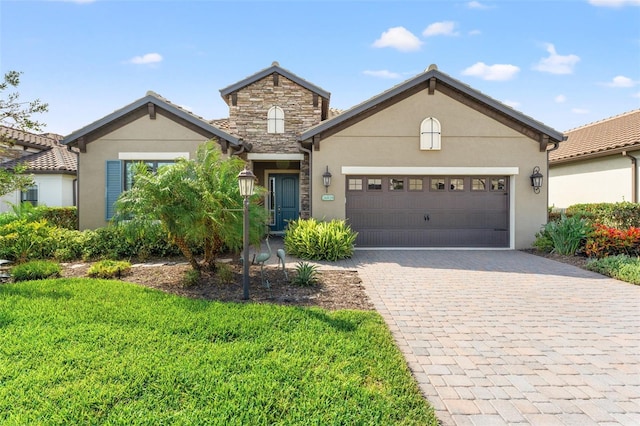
point(430, 134)
point(275, 120)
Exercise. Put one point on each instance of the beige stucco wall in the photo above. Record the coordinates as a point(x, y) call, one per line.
point(599, 180)
point(470, 139)
point(143, 135)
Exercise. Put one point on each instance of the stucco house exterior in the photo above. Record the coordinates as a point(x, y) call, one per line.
point(52, 165)
point(598, 163)
point(430, 162)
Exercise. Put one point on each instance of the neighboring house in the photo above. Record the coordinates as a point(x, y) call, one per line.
point(598, 163)
point(52, 165)
point(430, 162)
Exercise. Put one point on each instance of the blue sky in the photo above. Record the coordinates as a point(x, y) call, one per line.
point(564, 63)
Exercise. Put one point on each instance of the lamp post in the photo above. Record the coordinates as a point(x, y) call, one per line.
point(245, 183)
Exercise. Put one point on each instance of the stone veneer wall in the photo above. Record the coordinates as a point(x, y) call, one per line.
point(248, 120)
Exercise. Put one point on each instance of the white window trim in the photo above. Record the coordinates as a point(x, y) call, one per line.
point(152, 155)
point(462, 171)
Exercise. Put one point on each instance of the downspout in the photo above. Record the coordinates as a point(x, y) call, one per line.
point(556, 145)
point(634, 176)
point(308, 151)
point(76, 186)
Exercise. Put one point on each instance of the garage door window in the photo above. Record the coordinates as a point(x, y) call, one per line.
point(437, 184)
point(498, 184)
point(415, 184)
point(478, 184)
point(456, 184)
point(396, 184)
point(374, 184)
point(355, 184)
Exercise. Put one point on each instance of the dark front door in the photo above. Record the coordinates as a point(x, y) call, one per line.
point(283, 200)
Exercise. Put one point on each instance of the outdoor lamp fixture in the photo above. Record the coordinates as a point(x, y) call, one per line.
point(326, 179)
point(245, 183)
point(536, 179)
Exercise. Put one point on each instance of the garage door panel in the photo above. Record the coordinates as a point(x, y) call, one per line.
point(429, 218)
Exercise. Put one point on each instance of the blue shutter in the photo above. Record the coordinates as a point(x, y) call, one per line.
point(113, 186)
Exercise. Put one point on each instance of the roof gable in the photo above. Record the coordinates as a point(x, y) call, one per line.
point(274, 68)
point(608, 136)
point(139, 108)
point(431, 80)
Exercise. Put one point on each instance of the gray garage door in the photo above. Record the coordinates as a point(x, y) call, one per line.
point(429, 211)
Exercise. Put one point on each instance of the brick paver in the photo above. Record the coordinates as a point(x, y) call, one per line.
point(505, 337)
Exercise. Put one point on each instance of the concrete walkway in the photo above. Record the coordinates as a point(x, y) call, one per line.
point(505, 337)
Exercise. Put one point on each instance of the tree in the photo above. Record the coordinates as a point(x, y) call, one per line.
point(15, 114)
point(197, 202)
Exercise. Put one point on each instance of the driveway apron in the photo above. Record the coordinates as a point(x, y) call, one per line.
point(506, 337)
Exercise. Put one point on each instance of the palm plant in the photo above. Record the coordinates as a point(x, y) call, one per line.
point(196, 201)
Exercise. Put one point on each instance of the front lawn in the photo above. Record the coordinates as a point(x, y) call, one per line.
point(84, 351)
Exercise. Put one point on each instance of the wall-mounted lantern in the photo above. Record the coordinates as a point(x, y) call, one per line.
point(536, 180)
point(326, 179)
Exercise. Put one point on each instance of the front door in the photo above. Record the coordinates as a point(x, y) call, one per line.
point(283, 200)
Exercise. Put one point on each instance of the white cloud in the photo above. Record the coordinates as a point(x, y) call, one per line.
point(382, 74)
point(146, 59)
point(440, 28)
point(560, 99)
point(476, 5)
point(580, 111)
point(614, 3)
point(557, 64)
point(475, 32)
point(636, 95)
point(399, 38)
point(621, 81)
point(497, 72)
point(512, 104)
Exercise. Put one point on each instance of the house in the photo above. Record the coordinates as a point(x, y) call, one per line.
point(52, 165)
point(598, 163)
point(430, 162)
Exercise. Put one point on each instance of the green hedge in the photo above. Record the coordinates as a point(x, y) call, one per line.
point(617, 215)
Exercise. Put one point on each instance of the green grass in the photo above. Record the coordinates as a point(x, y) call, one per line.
point(85, 351)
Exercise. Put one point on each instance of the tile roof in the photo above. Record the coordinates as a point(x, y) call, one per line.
point(611, 134)
point(23, 138)
point(52, 157)
point(55, 160)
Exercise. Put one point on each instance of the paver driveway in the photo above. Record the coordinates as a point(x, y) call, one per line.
point(505, 337)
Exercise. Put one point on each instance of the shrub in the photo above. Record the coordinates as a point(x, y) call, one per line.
point(313, 240)
point(109, 269)
point(35, 270)
point(607, 241)
point(61, 217)
point(21, 240)
point(617, 215)
point(306, 274)
point(621, 267)
point(225, 273)
point(565, 236)
point(191, 278)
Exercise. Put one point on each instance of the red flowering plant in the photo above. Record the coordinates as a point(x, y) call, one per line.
point(606, 241)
